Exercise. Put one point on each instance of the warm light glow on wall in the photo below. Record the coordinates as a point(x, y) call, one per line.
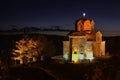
point(75, 58)
point(87, 25)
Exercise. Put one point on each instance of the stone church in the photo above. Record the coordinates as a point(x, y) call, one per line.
point(84, 43)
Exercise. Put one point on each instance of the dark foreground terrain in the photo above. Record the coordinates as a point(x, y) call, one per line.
point(28, 73)
point(99, 69)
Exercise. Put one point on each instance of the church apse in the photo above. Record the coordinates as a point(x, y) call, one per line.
point(84, 43)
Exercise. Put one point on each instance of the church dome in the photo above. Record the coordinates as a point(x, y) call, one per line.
point(84, 27)
point(84, 24)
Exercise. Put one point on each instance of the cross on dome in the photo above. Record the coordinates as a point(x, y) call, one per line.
point(84, 14)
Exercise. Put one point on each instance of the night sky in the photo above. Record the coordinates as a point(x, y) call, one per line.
point(46, 13)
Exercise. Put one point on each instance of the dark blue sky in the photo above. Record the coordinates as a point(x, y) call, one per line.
point(106, 13)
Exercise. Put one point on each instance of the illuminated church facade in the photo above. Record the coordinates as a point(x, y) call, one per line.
point(84, 43)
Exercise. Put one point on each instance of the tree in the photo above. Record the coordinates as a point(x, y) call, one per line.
point(31, 49)
point(26, 49)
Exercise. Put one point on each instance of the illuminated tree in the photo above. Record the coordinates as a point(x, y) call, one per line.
point(25, 50)
point(31, 49)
